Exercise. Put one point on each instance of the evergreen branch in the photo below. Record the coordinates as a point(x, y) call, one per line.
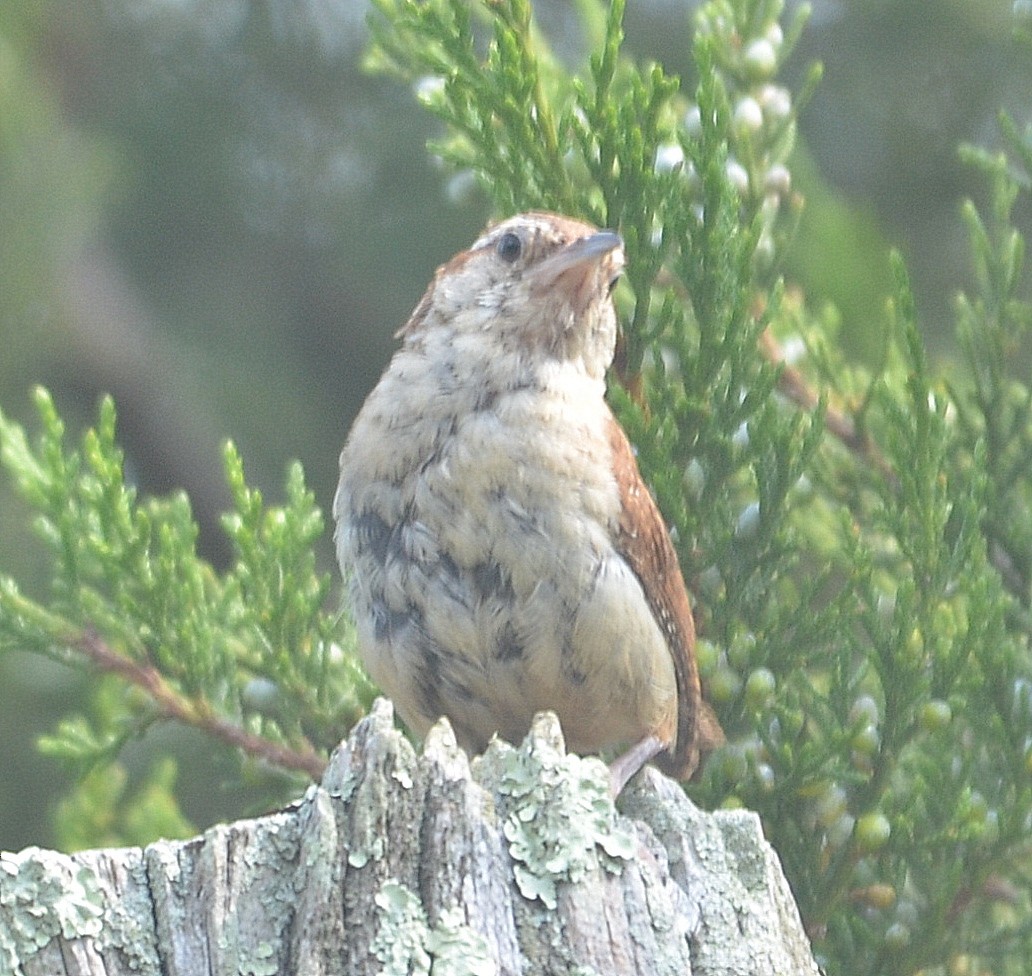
point(27, 624)
point(196, 712)
point(210, 650)
point(793, 384)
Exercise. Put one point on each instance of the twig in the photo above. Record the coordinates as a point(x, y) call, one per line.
point(793, 385)
point(194, 712)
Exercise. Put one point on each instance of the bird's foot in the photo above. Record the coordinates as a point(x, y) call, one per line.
point(625, 766)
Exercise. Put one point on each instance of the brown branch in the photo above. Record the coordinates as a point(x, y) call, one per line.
point(196, 713)
point(793, 385)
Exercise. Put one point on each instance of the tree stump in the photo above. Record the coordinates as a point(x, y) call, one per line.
point(398, 863)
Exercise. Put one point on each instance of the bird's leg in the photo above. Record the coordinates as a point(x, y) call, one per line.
point(625, 766)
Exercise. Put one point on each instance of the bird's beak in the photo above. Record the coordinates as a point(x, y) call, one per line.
point(572, 269)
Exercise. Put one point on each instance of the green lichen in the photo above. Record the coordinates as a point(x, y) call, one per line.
point(457, 949)
point(560, 821)
point(44, 895)
point(408, 945)
point(400, 941)
point(128, 924)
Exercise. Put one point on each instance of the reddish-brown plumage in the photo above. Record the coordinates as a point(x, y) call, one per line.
point(644, 542)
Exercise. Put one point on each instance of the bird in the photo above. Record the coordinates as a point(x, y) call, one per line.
point(503, 554)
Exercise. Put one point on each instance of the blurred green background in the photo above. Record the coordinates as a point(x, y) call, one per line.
point(208, 210)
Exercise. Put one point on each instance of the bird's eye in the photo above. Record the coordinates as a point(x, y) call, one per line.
point(509, 247)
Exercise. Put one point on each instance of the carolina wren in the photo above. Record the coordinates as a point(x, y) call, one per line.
point(504, 555)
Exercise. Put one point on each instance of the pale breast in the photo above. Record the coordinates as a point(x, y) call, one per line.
point(485, 583)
